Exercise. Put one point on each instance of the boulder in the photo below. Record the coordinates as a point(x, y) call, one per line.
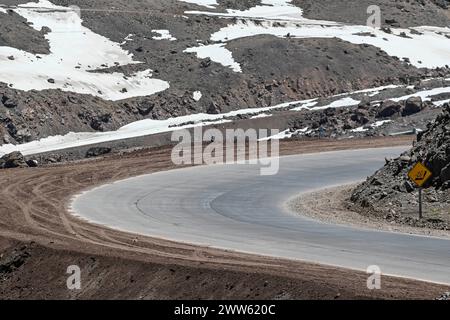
point(388, 109)
point(213, 109)
point(13, 160)
point(32, 163)
point(412, 105)
point(361, 116)
point(9, 102)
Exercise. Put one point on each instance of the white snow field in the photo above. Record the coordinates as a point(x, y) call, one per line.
point(424, 46)
point(76, 51)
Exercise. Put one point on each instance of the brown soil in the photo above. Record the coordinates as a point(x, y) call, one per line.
point(39, 240)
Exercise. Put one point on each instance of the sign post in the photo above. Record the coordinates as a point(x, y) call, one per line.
point(420, 174)
point(420, 203)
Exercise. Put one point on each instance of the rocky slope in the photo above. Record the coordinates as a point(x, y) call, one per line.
point(275, 70)
point(395, 13)
point(389, 192)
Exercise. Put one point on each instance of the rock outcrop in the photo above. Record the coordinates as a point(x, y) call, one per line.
point(16, 160)
point(389, 190)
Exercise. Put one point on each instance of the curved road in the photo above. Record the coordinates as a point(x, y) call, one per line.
point(233, 207)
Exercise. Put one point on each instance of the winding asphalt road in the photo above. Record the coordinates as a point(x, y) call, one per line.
point(234, 207)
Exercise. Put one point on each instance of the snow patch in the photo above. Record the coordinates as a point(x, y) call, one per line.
point(135, 129)
point(197, 95)
point(205, 3)
point(163, 35)
point(148, 126)
point(429, 49)
point(373, 125)
point(273, 10)
point(262, 115)
point(69, 66)
point(423, 46)
point(217, 53)
point(344, 102)
point(285, 134)
point(425, 94)
point(306, 105)
point(441, 102)
point(127, 39)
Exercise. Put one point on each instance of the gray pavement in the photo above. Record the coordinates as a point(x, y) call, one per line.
point(233, 207)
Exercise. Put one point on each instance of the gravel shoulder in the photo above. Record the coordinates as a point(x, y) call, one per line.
point(39, 239)
point(331, 205)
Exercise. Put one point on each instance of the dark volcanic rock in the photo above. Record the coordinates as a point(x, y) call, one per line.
point(13, 160)
point(13, 261)
point(433, 150)
point(388, 109)
point(97, 151)
point(412, 105)
point(213, 108)
point(9, 102)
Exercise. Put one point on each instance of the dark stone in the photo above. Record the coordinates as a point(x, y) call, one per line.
point(32, 163)
point(213, 109)
point(9, 102)
point(13, 160)
point(97, 151)
point(205, 63)
point(412, 105)
point(388, 109)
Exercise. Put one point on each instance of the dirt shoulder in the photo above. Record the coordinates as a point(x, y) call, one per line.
point(332, 206)
point(39, 240)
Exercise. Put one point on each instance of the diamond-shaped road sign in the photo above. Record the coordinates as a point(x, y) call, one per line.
point(420, 174)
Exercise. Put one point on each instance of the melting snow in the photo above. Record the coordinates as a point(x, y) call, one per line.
point(148, 126)
point(425, 94)
point(344, 102)
point(197, 95)
point(262, 115)
point(285, 134)
point(135, 129)
point(163, 35)
point(275, 10)
point(441, 103)
point(127, 39)
point(76, 51)
point(430, 48)
point(205, 3)
point(217, 53)
point(373, 125)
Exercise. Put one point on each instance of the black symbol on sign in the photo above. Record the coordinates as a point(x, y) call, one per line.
point(421, 175)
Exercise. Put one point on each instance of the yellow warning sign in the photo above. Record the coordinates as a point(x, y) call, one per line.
point(419, 174)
